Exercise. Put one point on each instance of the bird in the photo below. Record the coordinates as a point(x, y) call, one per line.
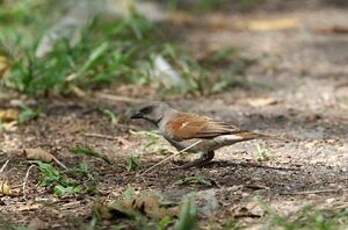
point(183, 129)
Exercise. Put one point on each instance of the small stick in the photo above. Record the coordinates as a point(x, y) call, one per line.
point(170, 157)
point(247, 215)
point(311, 192)
point(118, 98)
point(59, 163)
point(256, 187)
point(97, 135)
point(4, 166)
point(26, 180)
point(17, 186)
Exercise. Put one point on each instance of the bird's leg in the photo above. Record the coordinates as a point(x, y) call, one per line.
point(203, 160)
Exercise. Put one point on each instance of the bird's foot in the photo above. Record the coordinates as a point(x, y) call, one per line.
point(192, 164)
point(178, 162)
point(200, 162)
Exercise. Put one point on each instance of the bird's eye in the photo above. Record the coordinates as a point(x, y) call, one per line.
point(146, 110)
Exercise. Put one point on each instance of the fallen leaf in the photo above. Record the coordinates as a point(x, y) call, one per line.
point(260, 102)
point(244, 212)
point(5, 189)
point(42, 155)
point(8, 115)
point(38, 154)
point(148, 204)
point(9, 127)
point(269, 25)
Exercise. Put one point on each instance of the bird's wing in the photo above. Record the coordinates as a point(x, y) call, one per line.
point(186, 126)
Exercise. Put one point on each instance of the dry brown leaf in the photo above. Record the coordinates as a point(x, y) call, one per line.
point(4, 66)
point(148, 204)
point(260, 102)
point(269, 25)
point(5, 189)
point(8, 115)
point(10, 127)
point(41, 155)
point(244, 212)
point(38, 154)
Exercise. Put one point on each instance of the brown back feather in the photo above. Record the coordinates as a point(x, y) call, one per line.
point(187, 126)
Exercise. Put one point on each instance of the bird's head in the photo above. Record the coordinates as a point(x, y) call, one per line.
point(153, 112)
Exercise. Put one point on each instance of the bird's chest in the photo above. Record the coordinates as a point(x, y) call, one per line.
point(168, 131)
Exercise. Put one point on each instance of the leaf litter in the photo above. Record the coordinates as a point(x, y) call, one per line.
point(41, 155)
point(131, 204)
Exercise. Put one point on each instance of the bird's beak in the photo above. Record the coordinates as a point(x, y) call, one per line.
point(136, 116)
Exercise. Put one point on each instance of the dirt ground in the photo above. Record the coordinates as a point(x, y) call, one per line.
point(299, 91)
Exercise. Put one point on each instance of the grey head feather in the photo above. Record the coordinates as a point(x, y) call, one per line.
point(153, 112)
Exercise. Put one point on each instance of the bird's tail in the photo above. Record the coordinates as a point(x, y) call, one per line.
point(248, 135)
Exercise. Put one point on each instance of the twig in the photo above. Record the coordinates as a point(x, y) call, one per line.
point(26, 179)
point(17, 186)
point(118, 98)
point(59, 163)
point(170, 157)
point(256, 187)
point(250, 215)
point(4, 166)
point(97, 135)
point(77, 91)
point(311, 192)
